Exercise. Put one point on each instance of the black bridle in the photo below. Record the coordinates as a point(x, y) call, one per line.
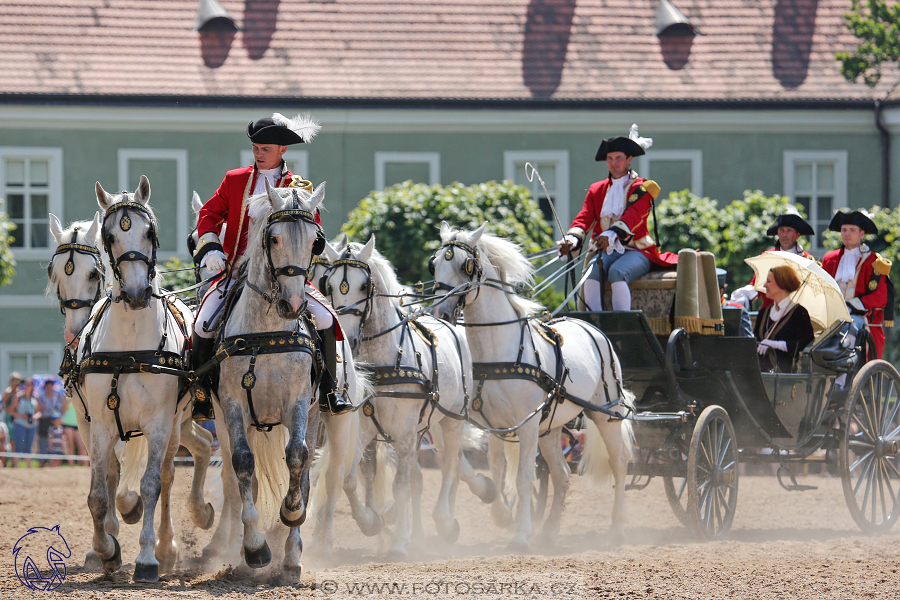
point(71, 248)
point(125, 224)
point(288, 215)
point(471, 267)
point(346, 262)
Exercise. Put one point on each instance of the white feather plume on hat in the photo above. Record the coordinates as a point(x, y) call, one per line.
point(303, 125)
point(643, 142)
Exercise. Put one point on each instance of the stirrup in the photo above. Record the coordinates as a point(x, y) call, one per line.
point(335, 403)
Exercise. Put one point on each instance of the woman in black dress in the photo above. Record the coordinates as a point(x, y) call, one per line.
point(783, 328)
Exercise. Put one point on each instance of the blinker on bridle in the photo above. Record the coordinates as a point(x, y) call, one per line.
point(71, 248)
point(125, 225)
point(345, 261)
point(471, 267)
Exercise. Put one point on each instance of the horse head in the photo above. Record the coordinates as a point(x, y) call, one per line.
point(76, 271)
point(130, 237)
point(349, 285)
point(457, 268)
point(287, 237)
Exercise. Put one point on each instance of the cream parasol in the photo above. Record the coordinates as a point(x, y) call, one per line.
point(818, 293)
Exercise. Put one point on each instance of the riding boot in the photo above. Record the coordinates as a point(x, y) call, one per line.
point(201, 352)
point(330, 398)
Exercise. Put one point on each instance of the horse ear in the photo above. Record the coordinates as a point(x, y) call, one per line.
point(274, 198)
point(317, 196)
point(445, 230)
point(142, 193)
point(366, 253)
point(103, 199)
point(330, 253)
point(196, 202)
point(56, 229)
point(342, 242)
point(93, 232)
point(476, 235)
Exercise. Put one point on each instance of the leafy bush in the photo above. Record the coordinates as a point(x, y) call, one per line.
point(7, 260)
point(406, 220)
point(687, 221)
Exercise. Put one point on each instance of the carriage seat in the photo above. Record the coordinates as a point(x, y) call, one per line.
point(654, 294)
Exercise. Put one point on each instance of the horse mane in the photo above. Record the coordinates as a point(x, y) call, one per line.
point(507, 259)
point(259, 208)
point(81, 238)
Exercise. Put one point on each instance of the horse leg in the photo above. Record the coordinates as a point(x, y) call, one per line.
point(405, 439)
point(369, 521)
point(447, 525)
point(559, 472)
point(104, 544)
point(304, 432)
point(525, 486)
point(166, 550)
point(256, 550)
point(226, 540)
point(128, 501)
point(158, 434)
point(483, 487)
point(415, 500)
point(497, 462)
point(613, 434)
point(338, 430)
point(198, 441)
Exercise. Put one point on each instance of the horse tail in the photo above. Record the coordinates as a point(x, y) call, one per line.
point(595, 457)
point(271, 471)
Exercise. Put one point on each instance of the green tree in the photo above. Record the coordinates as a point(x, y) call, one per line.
point(406, 220)
point(177, 275)
point(7, 260)
point(687, 221)
point(878, 26)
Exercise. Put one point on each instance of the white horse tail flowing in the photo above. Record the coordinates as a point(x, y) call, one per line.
point(595, 457)
point(271, 471)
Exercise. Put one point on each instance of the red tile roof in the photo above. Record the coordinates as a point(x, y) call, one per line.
point(501, 50)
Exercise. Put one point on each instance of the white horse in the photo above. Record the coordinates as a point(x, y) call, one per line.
point(261, 390)
point(77, 276)
point(480, 272)
point(425, 364)
point(135, 336)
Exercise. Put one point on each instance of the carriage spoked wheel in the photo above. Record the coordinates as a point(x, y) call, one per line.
point(870, 445)
point(676, 488)
point(712, 474)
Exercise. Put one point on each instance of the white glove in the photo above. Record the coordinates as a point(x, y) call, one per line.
point(213, 262)
point(570, 239)
point(744, 296)
point(774, 344)
point(856, 304)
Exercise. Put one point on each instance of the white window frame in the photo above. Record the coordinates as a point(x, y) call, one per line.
point(511, 158)
point(55, 201)
point(299, 157)
point(432, 159)
point(695, 157)
point(838, 157)
point(181, 187)
point(53, 349)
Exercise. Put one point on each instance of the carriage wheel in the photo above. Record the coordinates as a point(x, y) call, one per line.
point(870, 468)
point(712, 476)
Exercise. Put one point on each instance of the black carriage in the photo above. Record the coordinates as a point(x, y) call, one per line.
point(703, 406)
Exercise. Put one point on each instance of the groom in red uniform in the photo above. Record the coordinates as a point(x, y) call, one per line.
point(861, 274)
point(270, 138)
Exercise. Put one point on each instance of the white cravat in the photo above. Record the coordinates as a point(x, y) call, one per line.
point(779, 308)
point(270, 174)
point(846, 270)
point(614, 203)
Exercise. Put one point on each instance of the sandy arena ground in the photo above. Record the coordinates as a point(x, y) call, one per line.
point(782, 545)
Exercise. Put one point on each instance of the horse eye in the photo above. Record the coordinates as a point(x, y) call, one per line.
point(94, 275)
point(110, 239)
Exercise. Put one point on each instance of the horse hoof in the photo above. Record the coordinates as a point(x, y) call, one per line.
point(291, 575)
point(92, 562)
point(258, 558)
point(518, 545)
point(502, 517)
point(146, 573)
point(489, 493)
point(134, 515)
point(288, 522)
point(449, 530)
point(375, 526)
point(397, 554)
point(212, 517)
point(114, 563)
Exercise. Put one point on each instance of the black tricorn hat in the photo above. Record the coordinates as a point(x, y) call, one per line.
point(791, 220)
point(618, 143)
point(282, 131)
point(855, 217)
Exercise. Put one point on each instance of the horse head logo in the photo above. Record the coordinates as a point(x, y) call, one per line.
point(41, 543)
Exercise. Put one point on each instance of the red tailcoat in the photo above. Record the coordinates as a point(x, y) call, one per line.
point(765, 299)
point(631, 226)
point(870, 288)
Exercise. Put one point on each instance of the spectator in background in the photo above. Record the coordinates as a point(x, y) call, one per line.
point(9, 394)
point(24, 413)
point(5, 445)
point(49, 402)
point(57, 438)
point(70, 426)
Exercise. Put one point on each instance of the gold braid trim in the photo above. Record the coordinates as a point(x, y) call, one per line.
point(660, 325)
point(701, 326)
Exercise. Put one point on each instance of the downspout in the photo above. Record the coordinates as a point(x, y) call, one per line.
point(885, 155)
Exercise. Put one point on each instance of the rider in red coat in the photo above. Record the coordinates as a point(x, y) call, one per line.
point(861, 274)
point(788, 228)
point(615, 212)
point(228, 208)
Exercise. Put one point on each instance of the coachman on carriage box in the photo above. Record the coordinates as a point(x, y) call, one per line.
point(228, 206)
point(615, 215)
